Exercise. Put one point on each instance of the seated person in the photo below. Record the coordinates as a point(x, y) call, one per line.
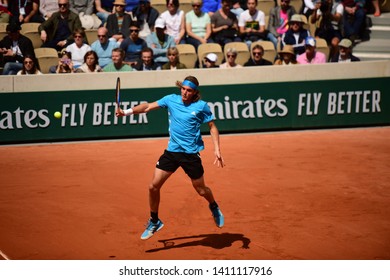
point(65, 64)
point(103, 47)
point(257, 57)
point(286, 56)
point(174, 21)
point(118, 23)
point(78, 49)
point(5, 14)
point(296, 34)
point(48, 7)
point(224, 25)
point(147, 63)
point(252, 24)
point(173, 60)
point(104, 8)
point(24, 11)
point(160, 42)
point(311, 56)
point(231, 55)
point(354, 18)
point(345, 52)
point(90, 64)
point(210, 61)
point(146, 16)
point(56, 32)
point(30, 66)
point(133, 45)
point(82, 6)
point(117, 64)
point(198, 26)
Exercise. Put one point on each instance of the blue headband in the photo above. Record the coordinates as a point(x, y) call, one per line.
point(189, 84)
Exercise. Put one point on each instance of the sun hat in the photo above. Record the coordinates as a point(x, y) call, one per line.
point(297, 18)
point(310, 41)
point(212, 57)
point(119, 3)
point(346, 43)
point(287, 49)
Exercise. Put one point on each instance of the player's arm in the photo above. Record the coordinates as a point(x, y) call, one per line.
point(139, 109)
point(215, 137)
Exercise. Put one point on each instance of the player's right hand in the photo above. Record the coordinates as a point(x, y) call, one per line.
point(119, 112)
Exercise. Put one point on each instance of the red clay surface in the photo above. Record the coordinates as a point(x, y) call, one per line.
point(294, 195)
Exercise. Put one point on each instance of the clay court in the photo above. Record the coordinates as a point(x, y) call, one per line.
point(318, 194)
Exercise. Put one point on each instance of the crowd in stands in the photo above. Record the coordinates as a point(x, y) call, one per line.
point(132, 35)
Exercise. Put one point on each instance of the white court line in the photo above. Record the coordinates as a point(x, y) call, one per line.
point(4, 255)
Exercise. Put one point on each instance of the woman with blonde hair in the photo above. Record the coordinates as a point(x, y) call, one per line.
point(173, 60)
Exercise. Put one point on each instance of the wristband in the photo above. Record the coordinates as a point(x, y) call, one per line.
point(128, 112)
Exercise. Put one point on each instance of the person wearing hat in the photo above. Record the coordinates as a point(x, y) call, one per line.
point(57, 31)
point(160, 42)
point(256, 58)
point(13, 48)
point(296, 34)
point(345, 52)
point(286, 56)
point(118, 23)
point(210, 61)
point(311, 55)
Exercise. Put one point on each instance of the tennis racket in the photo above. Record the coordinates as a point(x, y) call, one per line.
point(118, 93)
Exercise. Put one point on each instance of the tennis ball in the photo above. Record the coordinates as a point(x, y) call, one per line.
point(57, 115)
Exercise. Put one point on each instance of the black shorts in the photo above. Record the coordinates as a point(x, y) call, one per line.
point(191, 163)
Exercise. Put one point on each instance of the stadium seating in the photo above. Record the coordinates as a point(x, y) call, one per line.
point(243, 53)
point(187, 55)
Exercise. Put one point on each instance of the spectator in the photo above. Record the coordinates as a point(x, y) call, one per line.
point(211, 6)
point(146, 16)
point(198, 25)
point(24, 11)
point(311, 56)
point(173, 60)
point(117, 64)
point(65, 64)
point(118, 23)
point(133, 45)
point(328, 14)
point(131, 5)
point(160, 42)
point(252, 23)
point(279, 18)
point(30, 66)
point(103, 47)
point(236, 8)
point(231, 55)
point(48, 7)
point(78, 49)
point(147, 63)
point(345, 52)
point(174, 21)
point(14, 47)
point(286, 56)
point(104, 8)
point(56, 32)
point(90, 64)
point(81, 6)
point(354, 18)
point(308, 7)
point(296, 34)
point(257, 57)
point(224, 25)
point(4, 12)
point(210, 61)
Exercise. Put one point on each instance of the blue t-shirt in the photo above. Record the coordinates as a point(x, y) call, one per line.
point(184, 123)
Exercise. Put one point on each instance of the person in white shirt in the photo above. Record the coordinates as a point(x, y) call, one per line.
point(252, 23)
point(174, 21)
point(78, 49)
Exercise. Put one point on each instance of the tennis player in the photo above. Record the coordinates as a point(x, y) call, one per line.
point(186, 113)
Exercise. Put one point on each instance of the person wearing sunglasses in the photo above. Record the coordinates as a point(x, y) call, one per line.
point(173, 60)
point(118, 23)
point(296, 34)
point(231, 55)
point(29, 66)
point(78, 49)
point(56, 32)
point(13, 48)
point(146, 16)
point(103, 47)
point(133, 44)
point(257, 57)
point(344, 53)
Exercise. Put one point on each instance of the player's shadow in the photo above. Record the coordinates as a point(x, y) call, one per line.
point(216, 241)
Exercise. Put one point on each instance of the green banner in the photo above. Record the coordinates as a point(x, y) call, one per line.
point(29, 117)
